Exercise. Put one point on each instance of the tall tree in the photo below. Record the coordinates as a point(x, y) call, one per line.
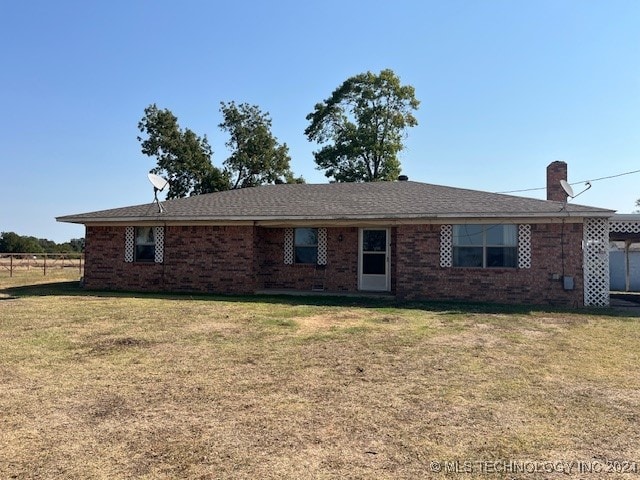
point(72, 246)
point(11, 242)
point(256, 156)
point(183, 157)
point(363, 125)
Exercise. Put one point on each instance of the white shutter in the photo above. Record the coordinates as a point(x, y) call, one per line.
point(322, 246)
point(446, 249)
point(288, 246)
point(158, 235)
point(129, 244)
point(524, 246)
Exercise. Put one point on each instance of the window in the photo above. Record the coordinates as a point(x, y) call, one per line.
point(145, 250)
point(374, 252)
point(306, 245)
point(485, 246)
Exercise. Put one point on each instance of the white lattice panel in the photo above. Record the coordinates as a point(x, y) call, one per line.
point(624, 227)
point(596, 262)
point(524, 246)
point(158, 233)
point(322, 246)
point(446, 249)
point(288, 246)
point(129, 243)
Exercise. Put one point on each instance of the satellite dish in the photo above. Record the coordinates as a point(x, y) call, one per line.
point(159, 184)
point(157, 181)
point(567, 188)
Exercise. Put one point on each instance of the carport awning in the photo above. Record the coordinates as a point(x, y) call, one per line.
point(624, 237)
point(624, 228)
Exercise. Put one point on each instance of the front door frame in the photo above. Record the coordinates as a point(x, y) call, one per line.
point(382, 285)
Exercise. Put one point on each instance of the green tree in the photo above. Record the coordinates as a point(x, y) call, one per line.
point(11, 242)
point(75, 245)
point(363, 125)
point(183, 157)
point(48, 246)
point(256, 156)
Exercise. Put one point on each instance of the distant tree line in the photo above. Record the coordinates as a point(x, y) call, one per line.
point(11, 242)
point(360, 127)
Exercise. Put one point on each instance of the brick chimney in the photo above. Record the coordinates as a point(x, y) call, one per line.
point(556, 171)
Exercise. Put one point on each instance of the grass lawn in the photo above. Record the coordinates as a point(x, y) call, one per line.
point(105, 385)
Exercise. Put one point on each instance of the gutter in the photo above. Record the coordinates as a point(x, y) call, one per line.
point(547, 217)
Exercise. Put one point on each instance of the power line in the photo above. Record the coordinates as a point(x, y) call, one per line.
point(524, 190)
point(574, 183)
point(610, 176)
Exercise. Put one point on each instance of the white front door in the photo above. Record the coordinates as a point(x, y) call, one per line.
point(373, 262)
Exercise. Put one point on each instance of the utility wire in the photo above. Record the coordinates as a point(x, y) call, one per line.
point(574, 183)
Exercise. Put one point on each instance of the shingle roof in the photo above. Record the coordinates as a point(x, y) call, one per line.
point(341, 201)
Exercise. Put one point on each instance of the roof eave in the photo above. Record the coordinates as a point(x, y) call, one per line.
point(162, 218)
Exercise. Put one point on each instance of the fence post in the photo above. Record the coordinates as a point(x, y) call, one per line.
point(44, 265)
point(10, 265)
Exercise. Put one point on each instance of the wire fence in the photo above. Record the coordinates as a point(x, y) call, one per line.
point(47, 262)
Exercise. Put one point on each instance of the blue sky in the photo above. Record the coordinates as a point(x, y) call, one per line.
point(506, 87)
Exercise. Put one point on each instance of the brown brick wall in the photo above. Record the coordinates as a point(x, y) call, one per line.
point(210, 259)
point(245, 259)
point(419, 275)
point(105, 268)
point(196, 259)
point(341, 271)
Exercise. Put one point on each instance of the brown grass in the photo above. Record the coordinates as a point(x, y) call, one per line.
point(126, 386)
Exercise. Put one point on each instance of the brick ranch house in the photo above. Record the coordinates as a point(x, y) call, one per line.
point(408, 239)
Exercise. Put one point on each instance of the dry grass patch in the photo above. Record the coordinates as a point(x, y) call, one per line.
point(124, 386)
